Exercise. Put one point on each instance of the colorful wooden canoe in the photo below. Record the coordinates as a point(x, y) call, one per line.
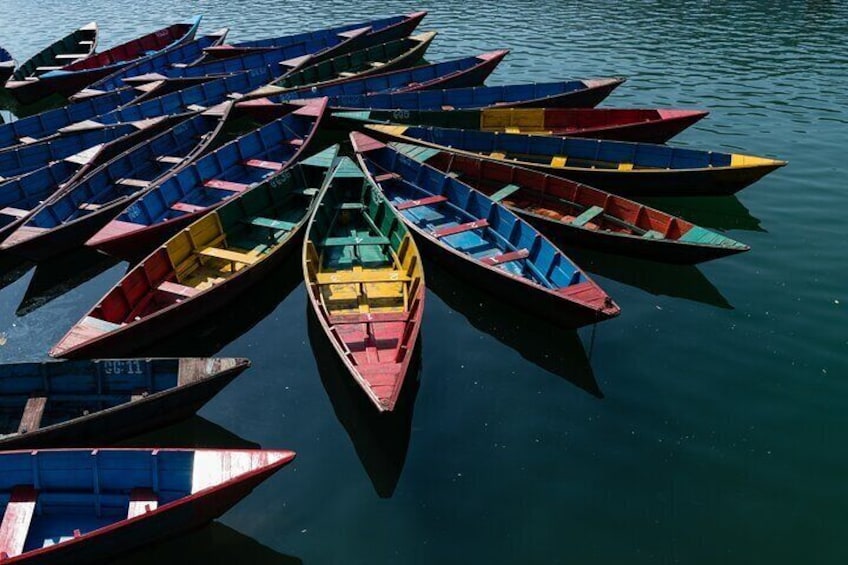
point(378, 59)
point(568, 94)
point(482, 240)
point(175, 56)
point(256, 158)
point(379, 30)
point(125, 105)
point(580, 215)
point(21, 196)
point(203, 267)
point(71, 78)
point(455, 73)
point(67, 220)
point(74, 47)
point(365, 282)
point(73, 403)
point(621, 124)
point(91, 505)
point(628, 169)
point(7, 66)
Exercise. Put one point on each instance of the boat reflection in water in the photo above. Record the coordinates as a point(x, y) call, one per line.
point(196, 431)
point(62, 274)
point(714, 212)
point(381, 440)
point(547, 346)
point(215, 543)
point(226, 324)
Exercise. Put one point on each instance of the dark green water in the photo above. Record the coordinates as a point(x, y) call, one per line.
point(705, 425)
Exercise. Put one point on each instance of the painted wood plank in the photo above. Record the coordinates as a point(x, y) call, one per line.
point(407, 204)
point(142, 500)
point(350, 240)
point(587, 216)
point(17, 520)
point(136, 183)
point(226, 185)
point(178, 289)
point(260, 164)
point(15, 212)
point(228, 255)
point(502, 258)
point(33, 413)
point(375, 317)
point(271, 223)
point(356, 277)
point(170, 160)
point(186, 207)
point(504, 192)
point(451, 230)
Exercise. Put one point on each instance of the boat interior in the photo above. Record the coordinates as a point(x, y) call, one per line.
point(139, 47)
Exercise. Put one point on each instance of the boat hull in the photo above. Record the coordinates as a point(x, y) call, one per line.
point(587, 98)
point(140, 243)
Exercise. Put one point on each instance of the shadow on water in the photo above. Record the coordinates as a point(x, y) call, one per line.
point(381, 440)
point(224, 325)
point(11, 269)
point(215, 543)
point(62, 274)
point(547, 346)
point(659, 279)
point(193, 432)
point(721, 213)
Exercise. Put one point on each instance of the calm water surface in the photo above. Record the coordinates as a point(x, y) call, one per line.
point(704, 425)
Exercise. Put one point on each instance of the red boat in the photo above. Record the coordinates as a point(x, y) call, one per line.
point(83, 505)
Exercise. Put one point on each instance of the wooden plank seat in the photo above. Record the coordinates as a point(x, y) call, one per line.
point(653, 234)
point(386, 176)
point(306, 191)
point(135, 183)
point(350, 240)
point(502, 258)
point(15, 212)
point(346, 74)
point(89, 206)
point(228, 255)
point(17, 520)
point(260, 164)
point(99, 324)
point(33, 413)
point(138, 395)
point(178, 289)
point(505, 192)
point(558, 161)
point(71, 56)
point(377, 64)
point(351, 206)
point(271, 224)
point(86, 42)
point(587, 216)
point(186, 207)
point(366, 318)
point(47, 68)
point(169, 159)
point(142, 500)
point(226, 185)
point(407, 204)
point(361, 277)
point(27, 140)
point(297, 141)
point(451, 230)
point(195, 108)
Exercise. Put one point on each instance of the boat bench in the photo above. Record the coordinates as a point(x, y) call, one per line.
point(15, 212)
point(360, 277)
point(178, 289)
point(71, 56)
point(451, 230)
point(375, 317)
point(186, 207)
point(142, 500)
point(33, 413)
point(587, 216)
point(270, 223)
point(306, 191)
point(228, 255)
point(17, 520)
point(226, 185)
point(98, 324)
point(351, 206)
point(169, 159)
point(653, 234)
point(407, 204)
point(260, 164)
point(48, 68)
point(507, 257)
point(350, 240)
point(505, 192)
point(135, 183)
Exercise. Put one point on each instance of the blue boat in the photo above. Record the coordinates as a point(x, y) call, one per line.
point(620, 167)
point(379, 30)
point(256, 158)
point(482, 240)
point(455, 73)
point(21, 195)
point(66, 221)
point(565, 94)
point(91, 505)
point(57, 404)
point(7, 66)
point(176, 56)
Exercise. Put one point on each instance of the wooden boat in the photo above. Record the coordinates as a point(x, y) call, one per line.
point(125, 105)
point(77, 212)
point(580, 215)
point(71, 78)
point(91, 505)
point(385, 57)
point(365, 282)
point(175, 56)
point(7, 67)
point(203, 267)
point(568, 94)
point(76, 46)
point(74, 403)
point(627, 169)
point(467, 71)
point(258, 157)
point(21, 195)
point(483, 241)
point(621, 124)
point(379, 30)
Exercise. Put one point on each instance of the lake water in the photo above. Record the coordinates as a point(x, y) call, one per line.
point(703, 425)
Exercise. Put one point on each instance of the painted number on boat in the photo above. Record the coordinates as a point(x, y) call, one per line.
point(400, 114)
point(128, 367)
point(280, 179)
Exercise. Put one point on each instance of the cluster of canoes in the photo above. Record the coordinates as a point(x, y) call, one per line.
point(206, 164)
